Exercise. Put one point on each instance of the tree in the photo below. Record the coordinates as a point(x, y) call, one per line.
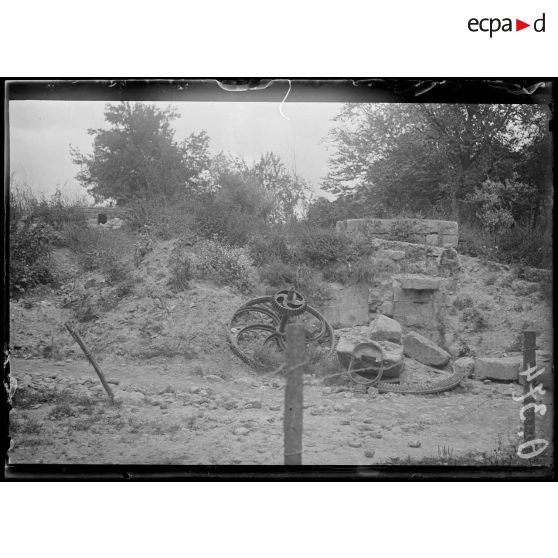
point(415, 157)
point(137, 157)
point(288, 191)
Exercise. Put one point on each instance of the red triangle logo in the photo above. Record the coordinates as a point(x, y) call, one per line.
point(519, 25)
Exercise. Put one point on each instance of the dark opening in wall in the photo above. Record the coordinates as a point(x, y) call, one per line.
point(101, 219)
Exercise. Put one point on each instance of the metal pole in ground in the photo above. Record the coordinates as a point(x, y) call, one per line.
point(295, 364)
point(90, 357)
point(529, 360)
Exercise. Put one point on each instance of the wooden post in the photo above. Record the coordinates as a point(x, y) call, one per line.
point(529, 360)
point(90, 357)
point(296, 355)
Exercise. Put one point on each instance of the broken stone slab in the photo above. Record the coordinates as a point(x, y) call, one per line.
point(416, 282)
point(424, 350)
point(350, 338)
point(385, 329)
point(502, 368)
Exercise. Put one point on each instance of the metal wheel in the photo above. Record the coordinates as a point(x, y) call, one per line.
point(288, 303)
point(257, 330)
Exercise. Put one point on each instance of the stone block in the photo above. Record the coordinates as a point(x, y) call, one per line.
point(448, 227)
point(385, 329)
point(412, 314)
point(424, 350)
point(503, 368)
point(386, 308)
point(450, 239)
point(348, 306)
point(432, 239)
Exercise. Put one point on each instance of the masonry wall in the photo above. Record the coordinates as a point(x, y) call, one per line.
point(419, 231)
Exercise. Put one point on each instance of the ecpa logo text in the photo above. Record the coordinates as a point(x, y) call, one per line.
point(494, 24)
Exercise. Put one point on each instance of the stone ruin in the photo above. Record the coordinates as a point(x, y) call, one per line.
point(104, 217)
point(429, 232)
point(422, 268)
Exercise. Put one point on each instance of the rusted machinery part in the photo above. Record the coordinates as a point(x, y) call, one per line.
point(265, 306)
point(449, 383)
point(355, 356)
point(288, 303)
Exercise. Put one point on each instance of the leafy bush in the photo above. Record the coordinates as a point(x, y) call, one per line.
point(57, 211)
point(181, 269)
point(235, 212)
point(108, 251)
point(462, 302)
point(519, 244)
point(277, 273)
point(30, 251)
point(219, 221)
point(476, 318)
point(224, 264)
point(320, 247)
point(159, 219)
point(269, 246)
point(337, 272)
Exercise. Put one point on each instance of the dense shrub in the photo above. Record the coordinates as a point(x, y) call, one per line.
point(269, 246)
point(309, 283)
point(278, 273)
point(238, 209)
point(224, 264)
point(181, 268)
point(30, 251)
point(35, 228)
point(220, 221)
point(519, 244)
point(57, 211)
point(319, 247)
point(160, 219)
point(108, 251)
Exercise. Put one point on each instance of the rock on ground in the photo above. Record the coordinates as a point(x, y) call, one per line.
point(424, 350)
point(504, 368)
point(464, 363)
point(385, 329)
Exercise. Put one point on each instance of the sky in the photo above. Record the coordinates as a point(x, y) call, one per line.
point(41, 133)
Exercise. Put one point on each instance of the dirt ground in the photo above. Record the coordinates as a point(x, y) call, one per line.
point(184, 398)
point(170, 413)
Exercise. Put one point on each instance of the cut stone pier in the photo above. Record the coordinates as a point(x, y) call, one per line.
point(417, 302)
